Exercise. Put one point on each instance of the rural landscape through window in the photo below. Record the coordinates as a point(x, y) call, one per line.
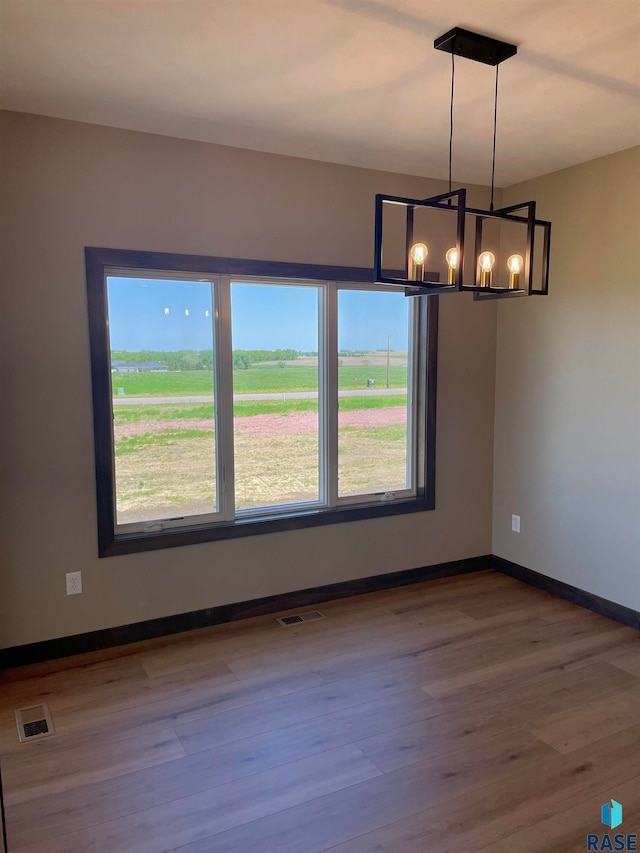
point(275, 394)
point(162, 376)
point(374, 434)
point(236, 401)
point(167, 455)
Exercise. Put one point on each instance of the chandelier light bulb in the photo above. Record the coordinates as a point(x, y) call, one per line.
point(486, 261)
point(418, 256)
point(452, 259)
point(515, 264)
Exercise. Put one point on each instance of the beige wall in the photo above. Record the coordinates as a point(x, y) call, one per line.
point(67, 185)
point(567, 432)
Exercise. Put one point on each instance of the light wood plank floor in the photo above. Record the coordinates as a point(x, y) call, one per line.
point(472, 713)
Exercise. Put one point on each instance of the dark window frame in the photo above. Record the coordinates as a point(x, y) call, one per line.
point(110, 543)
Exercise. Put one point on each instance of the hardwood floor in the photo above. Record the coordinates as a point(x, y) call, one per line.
point(471, 713)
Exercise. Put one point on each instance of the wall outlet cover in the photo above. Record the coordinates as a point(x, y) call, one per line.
point(74, 583)
point(515, 523)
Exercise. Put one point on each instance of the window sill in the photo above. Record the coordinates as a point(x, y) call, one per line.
point(133, 543)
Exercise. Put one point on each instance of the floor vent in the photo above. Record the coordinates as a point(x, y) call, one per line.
point(34, 723)
point(298, 618)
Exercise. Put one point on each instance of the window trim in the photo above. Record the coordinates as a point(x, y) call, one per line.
point(101, 260)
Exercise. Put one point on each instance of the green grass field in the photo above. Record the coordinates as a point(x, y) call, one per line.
point(258, 379)
point(167, 438)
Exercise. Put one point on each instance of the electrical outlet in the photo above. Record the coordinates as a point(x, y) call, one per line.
point(515, 523)
point(74, 583)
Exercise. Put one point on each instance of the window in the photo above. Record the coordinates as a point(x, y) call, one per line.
point(278, 455)
point(161, 340)
point(375, 424)
point(239, 397)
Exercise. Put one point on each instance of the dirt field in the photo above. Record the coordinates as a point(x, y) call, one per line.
point(167, 468)
point(272, 425)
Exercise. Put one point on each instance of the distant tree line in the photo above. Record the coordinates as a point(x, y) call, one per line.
point(203, 359)
point(244, 358)
point(185, 359)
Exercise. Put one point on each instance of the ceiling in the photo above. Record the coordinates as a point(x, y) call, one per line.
point(346, 81)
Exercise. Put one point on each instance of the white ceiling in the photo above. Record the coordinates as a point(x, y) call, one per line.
point(347, 81)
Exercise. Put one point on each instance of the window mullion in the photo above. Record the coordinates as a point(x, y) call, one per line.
point(224, 399)
point(330, 389)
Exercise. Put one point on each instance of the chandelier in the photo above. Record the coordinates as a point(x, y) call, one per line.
point(509, 255)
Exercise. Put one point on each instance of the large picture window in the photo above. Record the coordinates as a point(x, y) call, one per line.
point(236, 397)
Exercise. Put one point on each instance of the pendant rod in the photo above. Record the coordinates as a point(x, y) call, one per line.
point(495, 125)
point(453, 75)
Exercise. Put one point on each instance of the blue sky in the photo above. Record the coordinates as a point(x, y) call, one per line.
point(149, 314)
point(137, 318)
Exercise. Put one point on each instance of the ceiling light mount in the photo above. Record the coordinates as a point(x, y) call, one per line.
point(475, 46)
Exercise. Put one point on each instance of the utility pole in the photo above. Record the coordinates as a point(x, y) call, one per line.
point(388, 353)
